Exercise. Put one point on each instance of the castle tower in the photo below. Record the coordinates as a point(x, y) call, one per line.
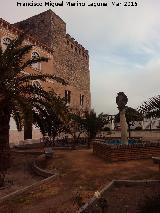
point(70, 59)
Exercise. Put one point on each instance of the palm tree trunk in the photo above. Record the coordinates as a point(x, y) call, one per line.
point(129, 130)
point(74, 141)
point(28, 126)
point(90, 136)
point(88, 140)
point(4, 140)
point(89, 143)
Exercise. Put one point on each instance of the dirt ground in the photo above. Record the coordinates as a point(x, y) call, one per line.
point(128, 199)
point(82, 172)
point(19, 174)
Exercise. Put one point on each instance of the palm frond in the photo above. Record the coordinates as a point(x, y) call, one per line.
point(22, 97)
point(33, 61)
point(18, 120)
point(151, 108)
point(43, 77)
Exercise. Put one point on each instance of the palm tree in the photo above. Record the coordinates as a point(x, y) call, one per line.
point(151, 108)
point(17, 96)
point(89, 124)
point(51, 116)
point(94, 123)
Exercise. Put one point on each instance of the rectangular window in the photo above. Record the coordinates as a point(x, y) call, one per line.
point(81, 100)
point(68, 96)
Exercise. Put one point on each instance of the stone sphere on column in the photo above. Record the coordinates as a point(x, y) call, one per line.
point(121, 100)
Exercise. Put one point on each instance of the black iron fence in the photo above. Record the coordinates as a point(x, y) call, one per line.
point(64, 142)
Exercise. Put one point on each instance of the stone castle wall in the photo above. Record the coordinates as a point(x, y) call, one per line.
point(15, 137)
point(67, 58)
point(70, 59)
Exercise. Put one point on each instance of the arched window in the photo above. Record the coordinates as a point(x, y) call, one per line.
point(37, 65)
point(38, 85)
point(5, 42)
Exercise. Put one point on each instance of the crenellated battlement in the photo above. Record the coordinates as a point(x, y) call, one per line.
point(8, 26)
point(75, 46)
point(28, 37)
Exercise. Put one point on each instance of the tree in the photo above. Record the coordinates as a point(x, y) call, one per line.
point(89, 124)
point(151, 108)
point(51, 117)
point(74, 126)
point(18, 96)
point(132, 115)
point(94, 124)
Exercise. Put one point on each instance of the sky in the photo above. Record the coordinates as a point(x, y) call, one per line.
point(123, 44)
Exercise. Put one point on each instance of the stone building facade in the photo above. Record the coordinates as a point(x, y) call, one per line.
point(68, 59)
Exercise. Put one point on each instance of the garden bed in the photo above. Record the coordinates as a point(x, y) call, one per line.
point(19, 175)
point(124, 196)
point(123, 152)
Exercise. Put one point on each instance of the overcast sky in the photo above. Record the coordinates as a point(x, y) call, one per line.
point(123, 43)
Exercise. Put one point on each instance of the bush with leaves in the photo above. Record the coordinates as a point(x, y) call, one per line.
point(89, 124)
point(52, 116)
point(74, 127)
point(94, 123)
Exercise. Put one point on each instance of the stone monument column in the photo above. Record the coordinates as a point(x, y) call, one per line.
point(112, 122)
point(123, 123)
point(142, 124)
point(121, 101)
